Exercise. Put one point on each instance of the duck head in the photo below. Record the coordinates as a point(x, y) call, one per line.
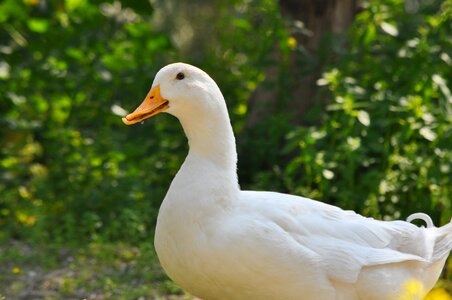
point(179, 89)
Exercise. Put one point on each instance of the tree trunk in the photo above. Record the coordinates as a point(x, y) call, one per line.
point(317, 20)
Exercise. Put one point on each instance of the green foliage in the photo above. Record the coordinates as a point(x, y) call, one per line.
point(385, 144)
point(242, 59)
point(70, 169)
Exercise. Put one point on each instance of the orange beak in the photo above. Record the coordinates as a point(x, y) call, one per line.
point(153, 104)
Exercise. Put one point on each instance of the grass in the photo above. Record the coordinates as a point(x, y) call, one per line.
point(96, 271)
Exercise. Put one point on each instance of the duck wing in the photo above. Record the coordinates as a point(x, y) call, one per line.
point(343, 242)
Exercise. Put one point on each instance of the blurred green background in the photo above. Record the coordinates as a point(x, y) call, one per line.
point(348, 102)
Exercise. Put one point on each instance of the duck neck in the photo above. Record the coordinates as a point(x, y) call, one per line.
point(210, 137)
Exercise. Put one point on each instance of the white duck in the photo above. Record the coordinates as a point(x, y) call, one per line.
point(218, 242)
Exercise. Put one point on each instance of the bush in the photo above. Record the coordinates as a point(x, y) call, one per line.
point(70, 169)
point(384, 147)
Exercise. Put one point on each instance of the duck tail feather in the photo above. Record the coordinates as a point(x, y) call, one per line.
point(443, 242)
point(421, 216)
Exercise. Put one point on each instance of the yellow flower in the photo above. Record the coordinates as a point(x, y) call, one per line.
point(23, 192)
point(25, 219)
point(438, 294)
point(16, 270)
point(292, 42)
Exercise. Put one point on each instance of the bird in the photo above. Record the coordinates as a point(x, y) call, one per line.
point(217, 241)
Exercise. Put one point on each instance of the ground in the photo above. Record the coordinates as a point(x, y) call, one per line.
point(94, 271)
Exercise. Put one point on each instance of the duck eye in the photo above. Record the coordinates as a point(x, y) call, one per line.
point(180, 76)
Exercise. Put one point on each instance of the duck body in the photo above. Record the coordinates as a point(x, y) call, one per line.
point(219, 242)
point(265, 245)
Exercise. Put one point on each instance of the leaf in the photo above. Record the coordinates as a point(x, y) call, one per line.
point(322, 82)
point(242, 24)
point(442, 84)
point(38, 25)
point(72, 5)
point(118, 110)
point(389, 29)
point(427, 133)
point(370, 34)
point(328, 174)
point(4, 70)
point(354, 142)
point(363, 117)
